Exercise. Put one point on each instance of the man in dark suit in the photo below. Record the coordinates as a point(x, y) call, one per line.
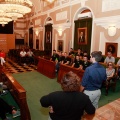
point(81, 38)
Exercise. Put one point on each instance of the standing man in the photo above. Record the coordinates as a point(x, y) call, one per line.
point(93, 78)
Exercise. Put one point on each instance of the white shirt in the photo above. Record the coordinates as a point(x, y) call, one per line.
point(30, 53)
point(22, 53)
point(107, 59)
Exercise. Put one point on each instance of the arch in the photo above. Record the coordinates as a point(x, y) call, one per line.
point(48, 34)
point(48, 20)
point(81, 10)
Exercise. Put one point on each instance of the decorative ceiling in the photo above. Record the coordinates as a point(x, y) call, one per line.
point(36, 4)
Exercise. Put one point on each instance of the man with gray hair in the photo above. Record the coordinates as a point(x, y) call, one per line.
point(109, 58)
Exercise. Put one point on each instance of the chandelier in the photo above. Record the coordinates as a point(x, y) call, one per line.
point(13, 9)
point(50, 1)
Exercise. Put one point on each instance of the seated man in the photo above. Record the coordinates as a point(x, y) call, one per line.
point(23, 56)
point(77, 62)
point(59, 61)
point(85, 62)
point(71, 51)
point(79, 52)
point(6, 108)
point(109, 58)
point(54, 56)
point(30, 56)
point(86, 54)
point(66, 60)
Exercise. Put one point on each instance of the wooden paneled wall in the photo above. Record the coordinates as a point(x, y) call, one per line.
point(7, 41)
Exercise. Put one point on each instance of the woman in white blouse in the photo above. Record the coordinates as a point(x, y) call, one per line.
point(110, 71)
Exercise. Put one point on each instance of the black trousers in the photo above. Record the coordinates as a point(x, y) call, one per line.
point(4, 108)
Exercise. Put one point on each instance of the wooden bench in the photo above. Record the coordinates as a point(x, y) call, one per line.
point(46, 67)
point(17, 91)
point(65, 68)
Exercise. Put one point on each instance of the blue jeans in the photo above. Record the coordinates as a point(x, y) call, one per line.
point(94, 96)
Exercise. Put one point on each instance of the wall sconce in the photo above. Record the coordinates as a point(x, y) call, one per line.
point(111, 30)
point(36, 32)
point(60, 32)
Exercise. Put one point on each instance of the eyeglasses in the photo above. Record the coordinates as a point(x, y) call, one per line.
point(110, 65)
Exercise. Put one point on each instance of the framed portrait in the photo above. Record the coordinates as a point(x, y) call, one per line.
point(48, 37)
point(37, 43)
point(112, 47)
point(82, 35)
point(60, 45)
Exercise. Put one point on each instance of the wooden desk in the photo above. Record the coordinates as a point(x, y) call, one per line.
point(46, 67)
point(18, 92)
point(65, 68)
point(110, 111)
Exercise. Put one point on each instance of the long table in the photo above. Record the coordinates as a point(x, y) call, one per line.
point(17, 91)
point(65, 68)
point(110, 111)
point(46, 67)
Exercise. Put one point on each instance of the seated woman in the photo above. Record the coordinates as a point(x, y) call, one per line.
point(110, 71)
point(6, 108)
point(2, 57)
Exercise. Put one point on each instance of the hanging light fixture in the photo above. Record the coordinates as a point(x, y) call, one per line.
point(50, 1)
point(14, 9)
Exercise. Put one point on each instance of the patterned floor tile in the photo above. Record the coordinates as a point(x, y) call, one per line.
point(13, 67)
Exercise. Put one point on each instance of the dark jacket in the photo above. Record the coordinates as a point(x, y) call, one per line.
point(67, 105)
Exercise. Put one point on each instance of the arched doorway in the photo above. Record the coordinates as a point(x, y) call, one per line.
point(48, 36)
point(31, 38)
point(83, 30)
